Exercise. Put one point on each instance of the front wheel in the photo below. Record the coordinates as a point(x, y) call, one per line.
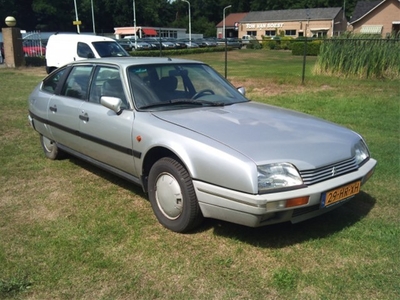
point(172, 196)
point(50, 148)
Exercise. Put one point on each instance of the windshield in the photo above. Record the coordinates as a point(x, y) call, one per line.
point(173, 86)
point(109, 49)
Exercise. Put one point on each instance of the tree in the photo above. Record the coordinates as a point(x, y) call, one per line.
point(54, 15)
point(50, 15)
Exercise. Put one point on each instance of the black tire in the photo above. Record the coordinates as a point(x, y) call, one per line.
point(172, 196)
point(50, 148)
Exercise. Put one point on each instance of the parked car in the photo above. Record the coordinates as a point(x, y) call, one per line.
point(33, 48)
point(234, 43)
point(210, 42)
point(195, 144)
point(230, 42)
point(206, 43)
point(155, 44)
point(166, 44)
point(1, 52)
point(190, 44)
point(140, 45)
point(200, 42)
point(126, 44)
point(178, 44)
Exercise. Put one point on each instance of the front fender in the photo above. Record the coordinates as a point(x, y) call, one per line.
point(206, 160)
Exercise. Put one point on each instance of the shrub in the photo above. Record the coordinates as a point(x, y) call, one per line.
point(313, 47)
point(277, 42)
point(254, 44)
point(286, 42)
point(36, 61)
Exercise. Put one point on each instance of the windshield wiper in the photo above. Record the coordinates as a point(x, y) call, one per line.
point(159, 104)
point(183, 101)
point(197, 102)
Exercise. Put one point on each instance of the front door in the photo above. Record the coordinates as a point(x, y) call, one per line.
point(106, 136)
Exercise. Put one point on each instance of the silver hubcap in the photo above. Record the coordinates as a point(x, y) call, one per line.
point(169, 196)
point(48, 144)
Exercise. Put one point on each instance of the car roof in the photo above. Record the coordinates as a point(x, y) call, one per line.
point(80, 37)
point(130, 61)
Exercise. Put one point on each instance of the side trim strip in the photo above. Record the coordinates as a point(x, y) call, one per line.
point(91, 138)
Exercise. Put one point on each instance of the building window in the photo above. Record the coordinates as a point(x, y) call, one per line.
point(319, 34)
point(290, 32)
point(270, 32)
point(252, 33)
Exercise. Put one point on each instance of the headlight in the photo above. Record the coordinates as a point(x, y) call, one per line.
point(279, 175)
point(361, 152)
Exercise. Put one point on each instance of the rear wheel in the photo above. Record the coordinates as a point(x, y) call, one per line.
point(172, 196)
point(50, 148)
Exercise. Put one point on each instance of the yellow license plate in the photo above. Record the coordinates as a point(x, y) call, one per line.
point(341, 193)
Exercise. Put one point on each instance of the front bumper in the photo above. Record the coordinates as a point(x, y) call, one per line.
point(258, 210)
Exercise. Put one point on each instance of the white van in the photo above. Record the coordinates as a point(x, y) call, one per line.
point(64, 48)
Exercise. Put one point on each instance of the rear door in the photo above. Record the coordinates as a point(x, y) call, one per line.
point(64, 107)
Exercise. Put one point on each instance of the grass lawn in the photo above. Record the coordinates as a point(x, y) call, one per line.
point(71, 231)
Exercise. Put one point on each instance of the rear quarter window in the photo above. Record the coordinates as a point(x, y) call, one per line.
point(51, 83)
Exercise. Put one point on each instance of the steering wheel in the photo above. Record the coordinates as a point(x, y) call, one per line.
point(203, 93)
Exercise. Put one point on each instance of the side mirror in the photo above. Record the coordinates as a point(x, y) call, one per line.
point(112, 103)
point(242, 90)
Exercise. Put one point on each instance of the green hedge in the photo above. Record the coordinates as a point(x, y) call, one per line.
point(254, 44)
point(37, 61)
point(277, 43)
point(313, 48)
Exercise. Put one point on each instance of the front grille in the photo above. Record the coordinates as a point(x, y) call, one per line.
point(328, 172)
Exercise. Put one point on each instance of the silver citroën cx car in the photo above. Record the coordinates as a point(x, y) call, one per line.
point(195, 144)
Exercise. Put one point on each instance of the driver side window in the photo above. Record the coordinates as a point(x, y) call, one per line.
point(107, 82)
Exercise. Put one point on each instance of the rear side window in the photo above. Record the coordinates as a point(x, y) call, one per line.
point(77, 83)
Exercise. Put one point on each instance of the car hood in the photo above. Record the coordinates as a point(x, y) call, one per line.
point(268, 134)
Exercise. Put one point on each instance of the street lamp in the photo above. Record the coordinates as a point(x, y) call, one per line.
point(223, 35)
point(94, 27)
point(223, 19)
point(190, 25)
point(76, 18)
point(134, 23)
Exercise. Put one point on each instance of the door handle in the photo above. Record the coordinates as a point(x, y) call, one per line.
point(53, 108)
point(84, 117)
